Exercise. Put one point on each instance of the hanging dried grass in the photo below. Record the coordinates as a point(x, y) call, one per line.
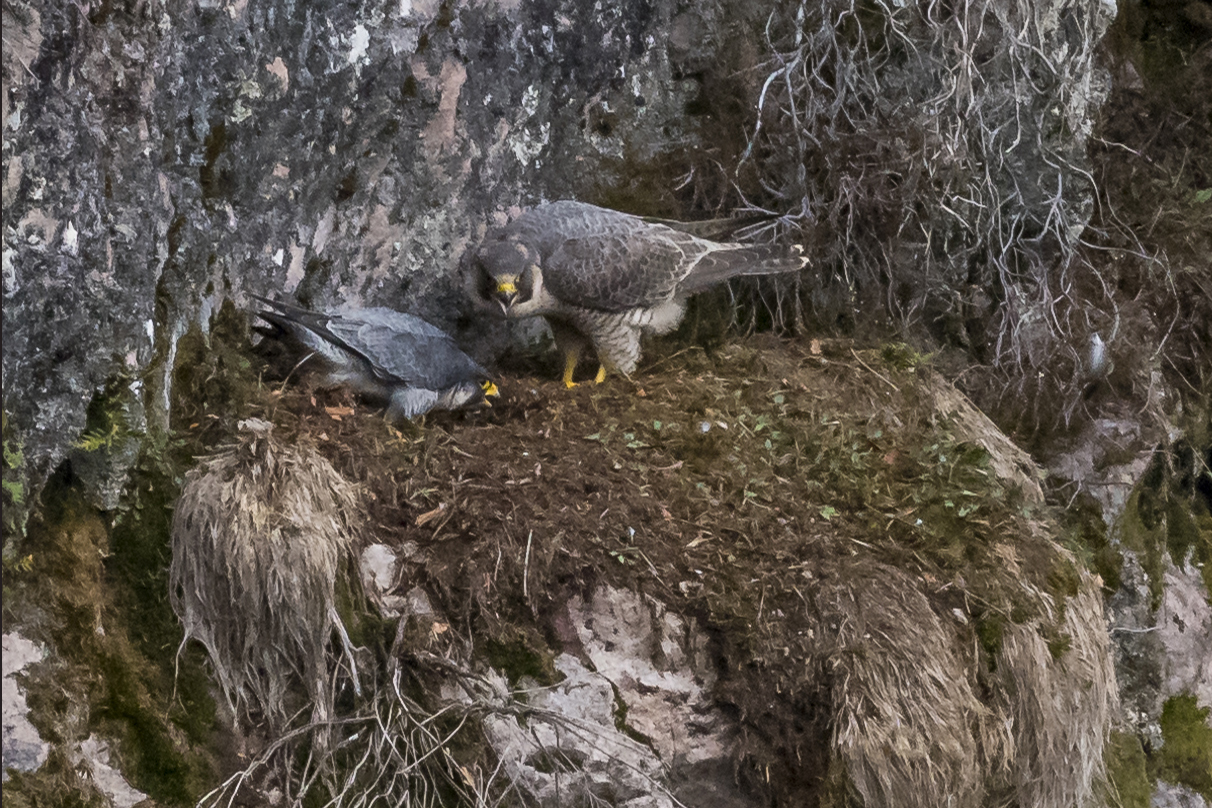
point(933, 157)
point(904, 708)
point(1060, 704)
point(260, 534)
point(907, 720)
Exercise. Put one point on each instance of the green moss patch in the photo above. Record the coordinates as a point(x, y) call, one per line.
point(1129, 785)
point(1186, 755)
point(101, 681)
point(1169, 512)
point(1086, 535)
point(522, 655)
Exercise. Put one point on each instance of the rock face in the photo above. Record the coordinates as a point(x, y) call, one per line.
point(24, 748)
point(161, 157)
point(1184, 623)
point(659, 665)
point(1145, 493)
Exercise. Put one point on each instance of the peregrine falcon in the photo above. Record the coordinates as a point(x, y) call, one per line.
point(601, 277)
point(387, 355)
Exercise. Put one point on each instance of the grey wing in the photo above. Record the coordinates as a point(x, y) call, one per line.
point(407, 349)
point(622, 268)
point(722, 229)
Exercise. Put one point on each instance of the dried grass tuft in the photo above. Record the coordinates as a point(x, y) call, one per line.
point(904, 707)
point(260, 534)
point(1060, 707)
point(909, 725)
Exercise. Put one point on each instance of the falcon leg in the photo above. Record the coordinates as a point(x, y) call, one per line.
point(601, 377)
point(570, 365)
point(571, 343)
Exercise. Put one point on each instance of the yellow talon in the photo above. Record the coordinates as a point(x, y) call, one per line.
point(490, 389)
point(601, 377)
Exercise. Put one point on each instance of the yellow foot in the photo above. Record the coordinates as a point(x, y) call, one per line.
point(601, 377)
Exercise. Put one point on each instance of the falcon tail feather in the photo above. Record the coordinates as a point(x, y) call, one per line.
point(280, 323)
point(722, 229)
point(734, 261)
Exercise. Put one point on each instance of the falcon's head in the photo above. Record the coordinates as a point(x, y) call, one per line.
point(506, 271)
point(470, 394)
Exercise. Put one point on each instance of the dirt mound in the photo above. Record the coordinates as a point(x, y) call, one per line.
point(889, 610)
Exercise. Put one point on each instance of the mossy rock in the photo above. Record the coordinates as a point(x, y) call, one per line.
point(1186, 755)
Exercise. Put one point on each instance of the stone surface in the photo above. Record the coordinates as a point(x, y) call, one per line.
point(568, 749)
point(94, 753)
point(1172, 796)
point(24, 748)
point(1138, 652)
point(1106, 460)
point(657, 661)
point(649, 665)
point(1184, 623)
point(378, 567)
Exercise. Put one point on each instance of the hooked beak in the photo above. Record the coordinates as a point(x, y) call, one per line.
point(506, 294)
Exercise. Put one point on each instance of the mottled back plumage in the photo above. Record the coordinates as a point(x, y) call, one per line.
point(400, 358)
point(602, 277)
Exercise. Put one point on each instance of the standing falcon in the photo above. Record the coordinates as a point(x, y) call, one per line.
point(602, 278)
point(387, 355)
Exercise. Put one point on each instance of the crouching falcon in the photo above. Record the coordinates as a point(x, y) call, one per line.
point(602, 278)
point(389, 356)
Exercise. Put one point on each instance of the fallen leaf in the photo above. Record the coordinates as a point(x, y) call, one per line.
point(336, 413)
point(429, 516)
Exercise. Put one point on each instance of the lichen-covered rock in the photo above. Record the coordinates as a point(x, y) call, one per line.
point(163, 157)
point(658, 664)
point(24, 748)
